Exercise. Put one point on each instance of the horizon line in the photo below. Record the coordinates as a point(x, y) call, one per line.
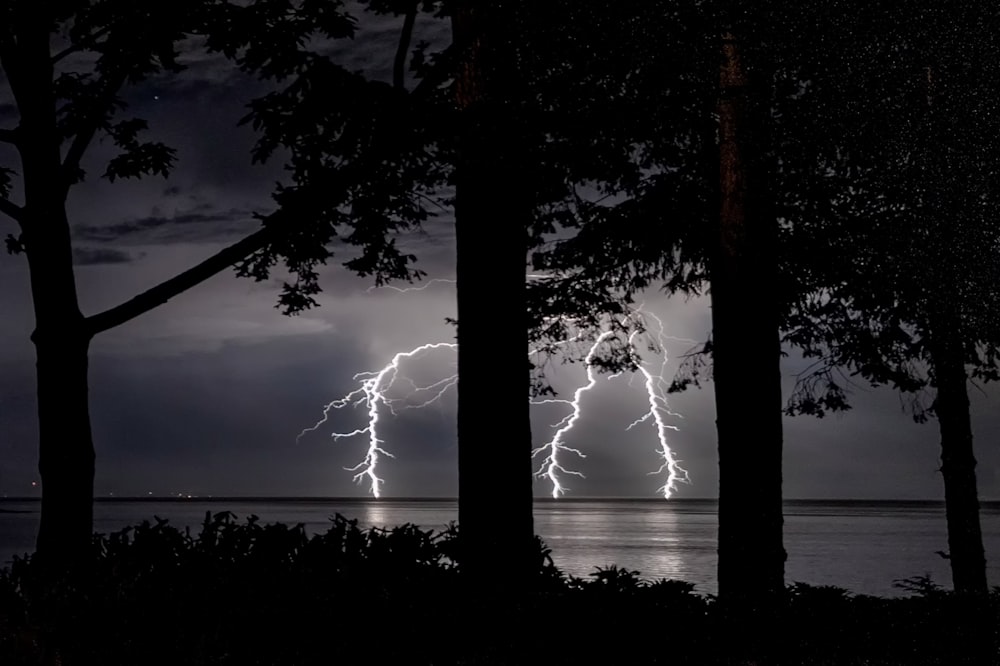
point(545, 500)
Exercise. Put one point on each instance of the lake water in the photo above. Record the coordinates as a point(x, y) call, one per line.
point(859, 545)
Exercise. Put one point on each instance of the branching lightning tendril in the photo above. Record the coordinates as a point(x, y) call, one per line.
point(659, 408)
point(373, 392)
point(375, 387)
point(550, 463)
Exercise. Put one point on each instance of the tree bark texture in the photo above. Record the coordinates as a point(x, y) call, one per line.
point(494, 432)
point(745, 352)
point(958, 462)
point(947, 351)
point(66, 448)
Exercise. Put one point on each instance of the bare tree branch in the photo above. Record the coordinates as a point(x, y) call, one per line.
point(89, 42)
point(178, 284)
point(12, 210)
point(399, 63)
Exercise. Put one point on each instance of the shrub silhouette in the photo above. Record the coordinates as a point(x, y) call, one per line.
point(242, 592)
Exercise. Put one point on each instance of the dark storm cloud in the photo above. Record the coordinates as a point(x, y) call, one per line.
point(198, 225)
point(90, 256)
point(205, 72)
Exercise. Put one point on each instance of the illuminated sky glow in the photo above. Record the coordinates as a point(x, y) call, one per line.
point(380, 392)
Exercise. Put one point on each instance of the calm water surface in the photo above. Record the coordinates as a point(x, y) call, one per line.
point(861, 546)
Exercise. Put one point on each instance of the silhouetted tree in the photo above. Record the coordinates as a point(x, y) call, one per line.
point(491, 217)
point(459, 125)
point(910, 276)
point(59, 115)
point(692, 206)
point(839, 126)
point(742, 277)
point(66, 63)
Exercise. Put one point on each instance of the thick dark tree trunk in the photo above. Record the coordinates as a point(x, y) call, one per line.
point(66, 450)
point(62, 335)
point(958, 463)
point(745, 352)
point(494, 432)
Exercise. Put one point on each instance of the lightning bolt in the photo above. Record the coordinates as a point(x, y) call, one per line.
point(659, 409)
point(406, 290)
point(550, 463)
point(655, 387)
point(374, 393)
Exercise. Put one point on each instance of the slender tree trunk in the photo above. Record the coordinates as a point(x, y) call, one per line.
point(958, 463)
point(66, 449)
point(947, 351)
point(745, 353)
point(494, 433)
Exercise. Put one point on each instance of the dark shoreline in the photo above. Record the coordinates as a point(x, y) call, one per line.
point(238, 592)
point(929, 503)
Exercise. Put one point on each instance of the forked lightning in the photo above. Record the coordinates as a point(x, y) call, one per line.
point(375, 387)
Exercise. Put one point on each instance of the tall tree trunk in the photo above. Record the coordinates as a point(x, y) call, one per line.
point(958, 463)
point(947, 355)
point(745, 353)
point(494, 432)
point(66, 449)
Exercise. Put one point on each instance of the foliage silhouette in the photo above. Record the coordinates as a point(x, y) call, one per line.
point(688, 170)
point(899, 254)
point(67, 66)
point(876, 177)
point(252, 593)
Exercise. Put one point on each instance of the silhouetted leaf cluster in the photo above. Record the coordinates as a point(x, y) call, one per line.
point(360, 154)
point(137, 158)
point(14, 244)
point(893, 139)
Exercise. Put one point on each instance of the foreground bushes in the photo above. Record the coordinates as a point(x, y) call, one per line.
point(246, 593)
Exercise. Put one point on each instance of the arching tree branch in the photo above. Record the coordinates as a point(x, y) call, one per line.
point(82, 45)
point(178, 284)
point(399, 63)
point(12, 210)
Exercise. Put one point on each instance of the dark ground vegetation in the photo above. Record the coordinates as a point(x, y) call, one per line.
point(248, 593)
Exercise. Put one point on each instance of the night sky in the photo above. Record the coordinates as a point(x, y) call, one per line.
point(206, 394)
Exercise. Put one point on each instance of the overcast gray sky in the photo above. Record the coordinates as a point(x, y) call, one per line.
point(207, 394)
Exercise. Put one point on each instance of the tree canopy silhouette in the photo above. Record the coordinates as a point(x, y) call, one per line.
point(66, 65)
point(909, 269)
point(685, 200)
